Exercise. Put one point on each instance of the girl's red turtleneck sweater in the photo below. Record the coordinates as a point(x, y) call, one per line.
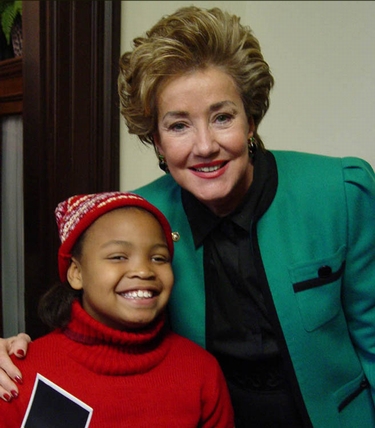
point(152, 378)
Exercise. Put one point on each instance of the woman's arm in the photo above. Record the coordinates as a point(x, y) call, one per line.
point(10, 376)
point(358, 294)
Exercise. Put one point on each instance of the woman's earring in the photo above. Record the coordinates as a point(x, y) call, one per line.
point(252, 146)
point(163, 164)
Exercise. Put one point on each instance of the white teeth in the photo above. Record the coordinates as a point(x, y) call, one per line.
point(209, 168)
point(139, 294)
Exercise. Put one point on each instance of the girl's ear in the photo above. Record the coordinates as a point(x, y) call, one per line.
point(74, 275)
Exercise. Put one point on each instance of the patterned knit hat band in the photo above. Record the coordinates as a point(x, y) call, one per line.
point(77, 213)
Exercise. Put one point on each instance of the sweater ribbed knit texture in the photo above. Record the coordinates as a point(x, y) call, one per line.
point(152, 378)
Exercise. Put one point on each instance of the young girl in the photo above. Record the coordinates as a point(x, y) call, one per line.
point(111, 347)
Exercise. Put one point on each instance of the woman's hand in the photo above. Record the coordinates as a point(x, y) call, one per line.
point(10, 376)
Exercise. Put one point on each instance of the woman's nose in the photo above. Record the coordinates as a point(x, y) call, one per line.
point(205, 143)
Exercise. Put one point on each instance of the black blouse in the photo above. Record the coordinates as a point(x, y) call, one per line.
point(237, 323)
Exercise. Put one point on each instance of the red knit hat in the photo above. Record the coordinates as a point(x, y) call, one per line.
point(77, 213)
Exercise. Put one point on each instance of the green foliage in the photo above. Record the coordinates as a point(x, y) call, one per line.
point(9, 9)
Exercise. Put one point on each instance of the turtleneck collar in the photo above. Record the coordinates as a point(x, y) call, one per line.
point(113, 352)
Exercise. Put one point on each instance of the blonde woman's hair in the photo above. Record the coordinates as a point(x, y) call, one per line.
point(191, 39)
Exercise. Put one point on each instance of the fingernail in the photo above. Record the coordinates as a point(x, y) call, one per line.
point(19, 380)
point(14, 393)
point(21, 352)
point(7, 397)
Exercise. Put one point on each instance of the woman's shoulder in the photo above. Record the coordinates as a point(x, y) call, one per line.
point(165, 180)
point(296, 157)
point(348, 168)
point(163, 192)
point(306, 158)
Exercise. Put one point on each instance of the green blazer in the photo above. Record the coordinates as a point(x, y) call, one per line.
point(314, 250)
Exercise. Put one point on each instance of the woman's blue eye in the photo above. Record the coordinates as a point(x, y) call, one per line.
point(223, 117)
point(178, 126)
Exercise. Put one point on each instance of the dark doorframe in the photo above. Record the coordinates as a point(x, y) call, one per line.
point(10, 104)
point(70, 120)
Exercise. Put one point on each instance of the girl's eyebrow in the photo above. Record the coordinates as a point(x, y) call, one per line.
point(129, 244)
point(116, 242)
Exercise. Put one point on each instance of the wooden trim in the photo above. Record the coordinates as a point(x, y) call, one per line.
point(11, 102)
point(11, 86)
point(70, 123)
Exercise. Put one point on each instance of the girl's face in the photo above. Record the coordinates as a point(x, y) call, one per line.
point(202, 133)
point(124, 269)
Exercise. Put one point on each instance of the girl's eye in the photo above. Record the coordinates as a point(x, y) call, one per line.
point(160, 259)
point(117, 257)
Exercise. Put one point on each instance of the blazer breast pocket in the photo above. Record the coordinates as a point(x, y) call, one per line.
point(317, 287)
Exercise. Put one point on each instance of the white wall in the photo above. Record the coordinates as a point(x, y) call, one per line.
point(322, 56)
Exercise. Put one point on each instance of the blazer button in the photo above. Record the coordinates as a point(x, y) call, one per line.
point(324, 271)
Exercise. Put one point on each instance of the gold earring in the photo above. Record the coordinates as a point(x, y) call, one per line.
point(163, 163)
point(252, 146)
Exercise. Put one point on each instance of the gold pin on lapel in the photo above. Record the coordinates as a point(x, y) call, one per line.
point(175, 236)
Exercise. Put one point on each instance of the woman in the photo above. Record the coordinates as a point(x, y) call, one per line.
point(275, 262)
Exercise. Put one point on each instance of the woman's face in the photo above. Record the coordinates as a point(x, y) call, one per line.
point(124, 270)
point(203, 132)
